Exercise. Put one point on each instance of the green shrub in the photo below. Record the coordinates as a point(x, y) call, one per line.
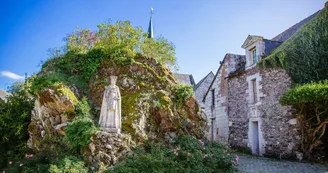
point(314, 93)
point(183, 92)
point(79, 132)
point(69, 164)
point(15, 116)
point(42, 164)
point(310, 102)
point(33, 164)
point(186, 155)
point(82, 109)
point(45, 80)
point(80, 128)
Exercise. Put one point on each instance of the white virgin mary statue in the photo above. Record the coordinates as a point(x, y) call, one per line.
point(110, 114)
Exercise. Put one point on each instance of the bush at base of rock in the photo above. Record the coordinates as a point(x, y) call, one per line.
point(80, 128)
point(68, 164)
point(42, 164)
point(186, 154)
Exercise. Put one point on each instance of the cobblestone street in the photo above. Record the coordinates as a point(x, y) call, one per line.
point(254, 164)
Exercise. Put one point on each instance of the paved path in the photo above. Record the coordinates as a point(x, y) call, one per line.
point(254, 164)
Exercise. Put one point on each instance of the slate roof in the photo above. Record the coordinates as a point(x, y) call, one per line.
point(202, 80)
point(292, 30)
point(186, 79)
point(270, 45)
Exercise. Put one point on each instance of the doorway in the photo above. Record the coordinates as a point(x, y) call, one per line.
point(255, 137)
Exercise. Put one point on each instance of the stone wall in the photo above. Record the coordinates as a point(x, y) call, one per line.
point(219, 112)
point(237, 111)
point(281, 131)
point(108, 148)
point(202, 88)
point(278, 132)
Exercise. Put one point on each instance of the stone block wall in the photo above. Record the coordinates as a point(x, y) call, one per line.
point(237, 111)
point(281, 131)
point(278, 130)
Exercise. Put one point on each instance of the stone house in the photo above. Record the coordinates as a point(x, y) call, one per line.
point(242, 102)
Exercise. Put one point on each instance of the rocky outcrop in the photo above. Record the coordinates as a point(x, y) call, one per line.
point(148, 92)
point(52, 110)
point(150, 112)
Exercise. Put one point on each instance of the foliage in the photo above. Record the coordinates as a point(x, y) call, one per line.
point(85, 51)
point(15, 115)
point(69, 164)
point(161, 49)
point(305, 55)
point(41, 164)
point(29, 164)
point(82, 109)
point(78, 133)
point(80, 128)
point(45, 80)
point(310, 102)
point(186, 154)
point(183, 92)
point(314, 93)
point(80, 40)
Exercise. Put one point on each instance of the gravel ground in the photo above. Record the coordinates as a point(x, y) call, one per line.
point(255, 164)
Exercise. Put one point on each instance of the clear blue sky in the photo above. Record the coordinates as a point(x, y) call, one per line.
point(203, 31)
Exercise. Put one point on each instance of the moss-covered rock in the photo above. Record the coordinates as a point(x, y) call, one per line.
point(149, 91)
point(149, 110)
point(53, 108)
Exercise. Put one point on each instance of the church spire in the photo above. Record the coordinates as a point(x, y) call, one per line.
point(150, 27)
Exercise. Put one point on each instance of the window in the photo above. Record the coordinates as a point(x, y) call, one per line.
point(253, 82)
point(253, 55)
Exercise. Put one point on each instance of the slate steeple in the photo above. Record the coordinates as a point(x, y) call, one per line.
point(150, 27)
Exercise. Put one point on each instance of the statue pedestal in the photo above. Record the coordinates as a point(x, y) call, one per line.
point(111, 130)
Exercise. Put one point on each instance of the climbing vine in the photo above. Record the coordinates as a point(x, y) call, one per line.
point(305, 55)
point(305, 58)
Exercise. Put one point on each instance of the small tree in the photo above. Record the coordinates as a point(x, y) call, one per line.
point(310, 102)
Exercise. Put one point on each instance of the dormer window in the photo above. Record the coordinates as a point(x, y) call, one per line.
point(254, 46)
point(254, 58)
